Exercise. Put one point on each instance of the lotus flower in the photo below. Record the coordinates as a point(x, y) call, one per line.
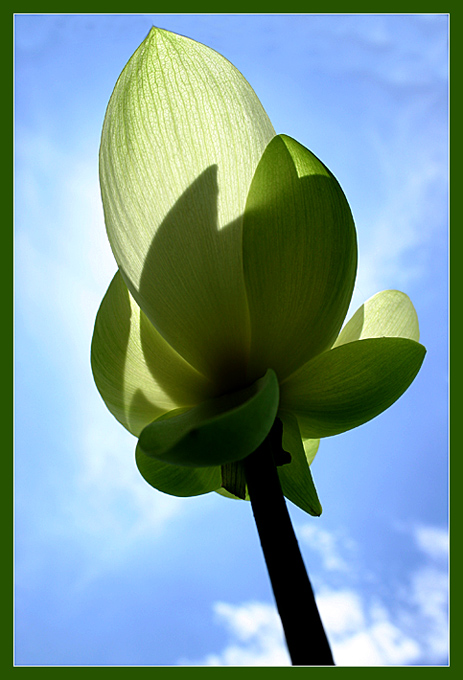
point(237, 256)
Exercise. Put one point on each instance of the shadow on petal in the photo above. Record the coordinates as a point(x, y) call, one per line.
point(192, 287)
point(299, 257)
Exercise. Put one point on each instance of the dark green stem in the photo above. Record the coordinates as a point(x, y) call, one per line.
point(305, 636)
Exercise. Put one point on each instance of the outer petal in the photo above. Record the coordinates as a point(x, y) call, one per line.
point(295, 477)
point(350, 384)
point(310, 448)
point(386, 314)
point(216, 432)
point(177, 480)
point(299, 255)
point(181, 139)
point(137, 373)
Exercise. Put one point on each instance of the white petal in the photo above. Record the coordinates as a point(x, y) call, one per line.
point(386, 314)
point(182, 136)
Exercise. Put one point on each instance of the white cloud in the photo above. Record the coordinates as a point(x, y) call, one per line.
point(429, 599)
point(409, 629)
point(341, 610)
point(328, 545)
point(429, 588)
point(412, 628)
point(433, 541)
point(363, 633)
point(256, 636)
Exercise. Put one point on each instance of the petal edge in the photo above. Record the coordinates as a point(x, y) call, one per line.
point(351, 384)
point(299, 257)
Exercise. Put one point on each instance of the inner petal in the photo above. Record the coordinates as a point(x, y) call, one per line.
point(299, 257)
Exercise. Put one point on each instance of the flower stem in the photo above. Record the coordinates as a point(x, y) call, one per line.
point(305, 636)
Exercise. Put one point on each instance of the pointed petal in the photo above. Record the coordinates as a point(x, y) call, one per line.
point(350, 384)
point(386, 314)
point(299, 255)
point(177, 480)
point(296, 477)
point(181, 139)
point(219, 431)
point(137, 373)
point(223, 492)
point(310, 448)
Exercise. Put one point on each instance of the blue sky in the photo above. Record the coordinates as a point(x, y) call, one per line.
point(109, 571)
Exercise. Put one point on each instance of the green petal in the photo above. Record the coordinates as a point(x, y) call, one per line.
point(182, 136)
point(177, 480)
point(218, 431)
point(296, 477)
point(300, 257)
point(137, 373)
point(350, 384)
point(386, 314)
point(310, 448)
point(227, 494)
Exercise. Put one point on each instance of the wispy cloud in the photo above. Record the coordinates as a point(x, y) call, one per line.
point(332, 548)
point(394, 251)
point(433, 541)
point(63, 266)
point(401, 206)
point(256, 636)
point(364, 630)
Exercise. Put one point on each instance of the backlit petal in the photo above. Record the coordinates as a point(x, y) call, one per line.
point(350, 384)
point(181, 139)
point(386, 314)
point(218, 431)
point(137, 373)
point(177, 480)
point(295, 477)
point(299, 255)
